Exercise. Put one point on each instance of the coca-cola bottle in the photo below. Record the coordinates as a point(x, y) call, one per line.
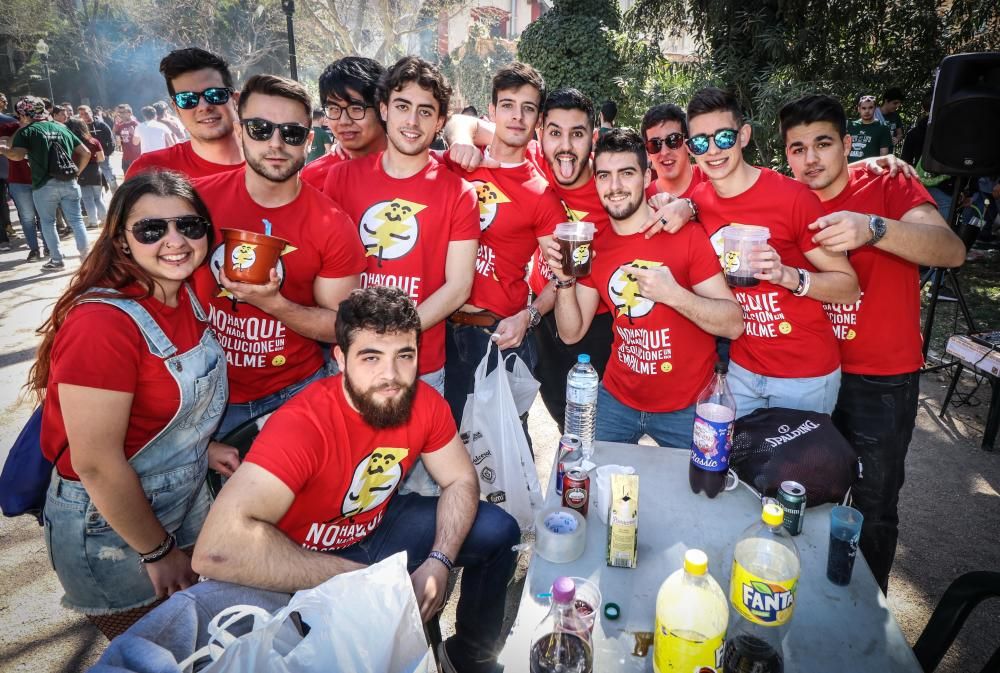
point(712, 438)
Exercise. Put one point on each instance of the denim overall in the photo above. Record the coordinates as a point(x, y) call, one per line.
point(99, 572)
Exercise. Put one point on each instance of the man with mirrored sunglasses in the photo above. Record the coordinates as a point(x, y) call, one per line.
point(271, 332)
point(664, 129)
point(201, 92)
point(347, 88)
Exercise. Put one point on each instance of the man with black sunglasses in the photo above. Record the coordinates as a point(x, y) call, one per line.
point(347, 89)
point(664, 129)
point(788, 355)
point(271, 332)
point(201, 92)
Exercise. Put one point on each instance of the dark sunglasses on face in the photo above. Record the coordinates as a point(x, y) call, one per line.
point(673, 141)
point(216, 95)
point(724, 139)
point(152, 229)
point(355, 111)
point(262, 129)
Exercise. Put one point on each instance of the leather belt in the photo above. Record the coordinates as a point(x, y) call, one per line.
point(487, 319)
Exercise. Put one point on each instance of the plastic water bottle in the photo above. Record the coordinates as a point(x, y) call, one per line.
point(713, 435)
point(581, 403)
point(561, 642)
point(691, 618)
point(762, 595)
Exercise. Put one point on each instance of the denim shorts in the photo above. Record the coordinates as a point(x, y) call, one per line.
point(99, 572)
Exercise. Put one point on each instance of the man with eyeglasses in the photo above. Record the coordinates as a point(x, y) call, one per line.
point(347, 88)
point(869, 136)
point(201, 92)
point(271, 332)
point(788, 355)
point(664, 129)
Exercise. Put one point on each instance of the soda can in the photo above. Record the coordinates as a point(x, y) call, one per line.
point(576, 490)
point(792, 499)
point(570, 454)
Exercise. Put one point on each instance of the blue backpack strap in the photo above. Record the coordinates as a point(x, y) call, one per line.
point(156, 340)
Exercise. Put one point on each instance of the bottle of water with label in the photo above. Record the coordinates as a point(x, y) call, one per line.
point(762, 592)
point(581, 403)
point(714, 414)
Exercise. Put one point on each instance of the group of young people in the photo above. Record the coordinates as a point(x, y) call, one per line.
point(409, 262)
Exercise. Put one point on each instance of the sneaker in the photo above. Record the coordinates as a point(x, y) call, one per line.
point(4, 246)
point(52, 265)
point(32, 256)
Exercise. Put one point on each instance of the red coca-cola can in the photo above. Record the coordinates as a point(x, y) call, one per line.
point(576, 490)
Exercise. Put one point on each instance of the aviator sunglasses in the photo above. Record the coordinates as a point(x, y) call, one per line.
point(724, 139)
point(216, 95)
point(261, 129)
point(152, 229)
point(673, 141)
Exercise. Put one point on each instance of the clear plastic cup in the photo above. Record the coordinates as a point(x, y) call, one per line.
point(845, 532)
point(738, 242)
point(574, 240)
point(588, 595)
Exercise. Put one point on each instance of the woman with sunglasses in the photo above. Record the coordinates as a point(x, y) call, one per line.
point(134, 384)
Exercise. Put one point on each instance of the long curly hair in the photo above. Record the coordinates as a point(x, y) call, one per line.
point(107, 265)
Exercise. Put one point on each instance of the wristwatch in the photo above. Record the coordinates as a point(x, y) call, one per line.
point(536, 317)
point(876, 225)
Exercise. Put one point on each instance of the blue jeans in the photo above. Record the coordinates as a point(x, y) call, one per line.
point(409, 524)
point(25, 204)
point(50, 196)
point(109, 173)
point(94, 203)
point(617, 422)
point(238, 414)
point(755, 391)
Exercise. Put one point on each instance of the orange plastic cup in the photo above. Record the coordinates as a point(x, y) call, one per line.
point(250, 256)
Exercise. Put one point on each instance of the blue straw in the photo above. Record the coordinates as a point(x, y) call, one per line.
point(267, 227)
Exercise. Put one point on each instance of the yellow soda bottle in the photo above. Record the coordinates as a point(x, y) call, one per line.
point(691, 617)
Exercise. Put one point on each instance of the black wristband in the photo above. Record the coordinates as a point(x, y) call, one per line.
point(440, 556)
point(563, 284)
point(161, 551)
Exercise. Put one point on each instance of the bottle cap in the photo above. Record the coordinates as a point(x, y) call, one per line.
point(772, 515)
point(563, 590)
point(695, 562)
point(583, 359)
point(612, 611)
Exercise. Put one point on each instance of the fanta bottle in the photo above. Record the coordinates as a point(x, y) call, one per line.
point(762, 595)
point(691, 618)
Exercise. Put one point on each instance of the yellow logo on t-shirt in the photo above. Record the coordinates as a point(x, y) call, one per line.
point(490, 198)
point(389, 229)
point(575, 215)
point(623, 289)
point(375, 477)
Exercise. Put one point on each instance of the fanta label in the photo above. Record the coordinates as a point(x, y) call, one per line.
point(760, 601)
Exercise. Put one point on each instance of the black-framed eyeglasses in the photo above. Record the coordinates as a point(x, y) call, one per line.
point(151, 229)
point(262, 130)
point(673, 141)
point(355, 111)
point(724, 139)
point(215, 95)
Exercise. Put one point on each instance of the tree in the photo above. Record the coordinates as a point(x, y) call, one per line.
point(470, 67)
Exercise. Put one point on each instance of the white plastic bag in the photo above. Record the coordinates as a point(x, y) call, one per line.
point(492, 433)
point(366, 621)
point(523, 386)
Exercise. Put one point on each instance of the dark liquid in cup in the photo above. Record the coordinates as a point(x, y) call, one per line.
point(583, 608)
point(742, 281)
point(576, 257)
point(840, 562)
point(746, 654)
point(561, 653)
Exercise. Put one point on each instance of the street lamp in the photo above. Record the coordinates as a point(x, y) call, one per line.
point(288, 6)
point(43, 50)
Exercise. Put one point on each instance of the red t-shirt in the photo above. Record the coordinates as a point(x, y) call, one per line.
point(19, 172)
point(124, 131)
point(265, 356)
point(181, 158)
point(405, 226)
point(343, 471)
point(786, 336)
point(660, 361)
point(100, 346)
point(880, 333)
point(516, 208)
point(314, 173)
point(697, 177)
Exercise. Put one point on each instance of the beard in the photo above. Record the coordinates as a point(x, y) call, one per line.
point(380, 415)
point(624, 209)
point(271, 173)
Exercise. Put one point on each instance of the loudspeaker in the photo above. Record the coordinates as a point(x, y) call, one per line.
point(963, 131)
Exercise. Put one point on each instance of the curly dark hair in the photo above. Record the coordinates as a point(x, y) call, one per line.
point(181, 61)
point(384, 310)
point(424, 73)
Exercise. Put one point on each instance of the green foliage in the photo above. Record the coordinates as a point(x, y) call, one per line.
point(470, 68)
point(575, 45)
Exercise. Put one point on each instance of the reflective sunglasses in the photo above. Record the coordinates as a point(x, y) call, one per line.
point(152, 229)
point(216, 95)
point(355, 111)
point(867, 99)
point(724, 139)
point(261, 129)
point(673, 141)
